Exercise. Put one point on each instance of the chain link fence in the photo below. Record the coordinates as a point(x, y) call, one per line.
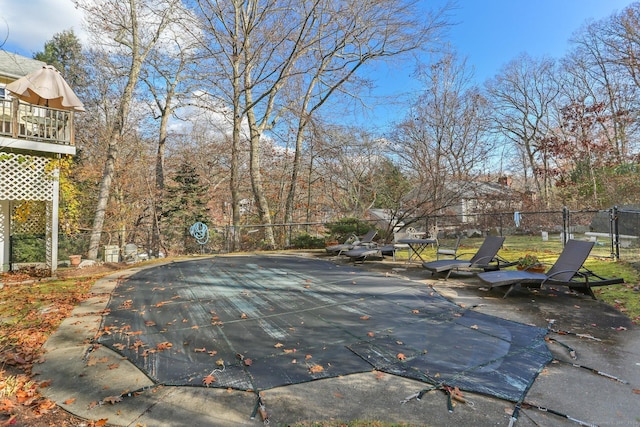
point(615, 232)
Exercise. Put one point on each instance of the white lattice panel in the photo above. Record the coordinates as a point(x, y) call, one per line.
point(24, 177)
point(34, 223)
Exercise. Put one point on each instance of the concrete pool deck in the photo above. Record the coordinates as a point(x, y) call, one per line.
point(94, 385)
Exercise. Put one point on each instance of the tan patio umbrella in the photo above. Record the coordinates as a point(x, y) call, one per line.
point(46, 87)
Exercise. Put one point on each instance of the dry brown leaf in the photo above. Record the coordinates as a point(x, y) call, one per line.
point(208, 380)
point(112, 399)
point(474, 326)
point(415, 311)
point(307, 357)
point(244, 316)
point(220, 362)
point(200, 350)
point(69, 401)
point(370, 334)
point(315, 369)
point(247, 361)
point(365, 317)
point(401, 356)
point(164, 346)
point(278, 345)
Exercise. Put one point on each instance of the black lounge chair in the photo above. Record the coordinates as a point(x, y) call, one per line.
point(568, 271)
point(363, 252)
point(367, 239)
point(486, 258)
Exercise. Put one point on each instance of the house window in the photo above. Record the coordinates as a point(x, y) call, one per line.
point(2, 93)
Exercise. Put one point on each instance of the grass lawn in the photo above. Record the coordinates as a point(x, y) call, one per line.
point(622, 296)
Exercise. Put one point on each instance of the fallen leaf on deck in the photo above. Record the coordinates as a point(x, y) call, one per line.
point(112, 399)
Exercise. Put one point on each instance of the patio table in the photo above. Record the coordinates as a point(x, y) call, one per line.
point(416, 247)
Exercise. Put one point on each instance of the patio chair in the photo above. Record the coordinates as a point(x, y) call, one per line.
point(362, 253)
point(568, 271)
point(485, 258)
point(448, 251)
point(366, 240)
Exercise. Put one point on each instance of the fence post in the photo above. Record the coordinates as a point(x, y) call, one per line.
point(565, 225)
point(615, 233)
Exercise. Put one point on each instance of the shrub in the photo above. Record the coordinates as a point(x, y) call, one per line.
point(306, 241)
point(345, 227)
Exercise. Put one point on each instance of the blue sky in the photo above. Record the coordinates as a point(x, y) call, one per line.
point(488, 32)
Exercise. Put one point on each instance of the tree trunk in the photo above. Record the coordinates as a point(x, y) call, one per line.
point(256, 178)
point(116, 135)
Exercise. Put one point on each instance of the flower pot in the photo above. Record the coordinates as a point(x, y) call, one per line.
point(75, 260)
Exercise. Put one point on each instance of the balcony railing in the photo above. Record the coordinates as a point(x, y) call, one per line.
point(35, 123)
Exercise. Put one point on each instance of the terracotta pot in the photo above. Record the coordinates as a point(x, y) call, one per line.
point(75, 260)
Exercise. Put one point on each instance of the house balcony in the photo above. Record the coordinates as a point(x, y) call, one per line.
point(34, 128)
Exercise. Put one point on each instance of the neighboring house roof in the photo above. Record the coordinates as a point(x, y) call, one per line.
point(13, 66)
point(475, 189)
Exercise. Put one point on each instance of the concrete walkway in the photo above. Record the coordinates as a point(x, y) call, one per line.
point(90, 383)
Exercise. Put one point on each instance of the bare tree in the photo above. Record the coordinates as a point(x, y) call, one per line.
point(318, 45)
point(350, 160)
point(443, 143)
point(131, 29)
point(351, 35)
point(522, 96)
point(595, 69)
point(169, 65)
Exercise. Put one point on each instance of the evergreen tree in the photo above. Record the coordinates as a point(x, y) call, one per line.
point(64, 52)
point(186, 197)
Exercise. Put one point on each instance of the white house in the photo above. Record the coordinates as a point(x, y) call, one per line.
point(32, 137)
